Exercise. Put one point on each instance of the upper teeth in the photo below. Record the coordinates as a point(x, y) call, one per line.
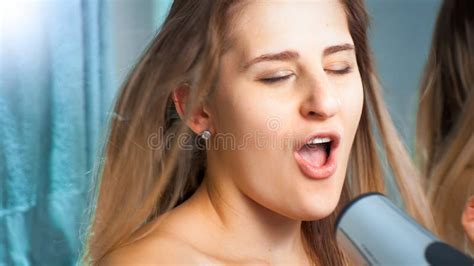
point(319, 140)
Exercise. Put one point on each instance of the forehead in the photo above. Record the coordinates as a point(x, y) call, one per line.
point(264, 25)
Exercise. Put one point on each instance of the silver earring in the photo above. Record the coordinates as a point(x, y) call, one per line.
point(206, 134)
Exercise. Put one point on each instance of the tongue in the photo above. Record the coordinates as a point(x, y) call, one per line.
point(314, 154)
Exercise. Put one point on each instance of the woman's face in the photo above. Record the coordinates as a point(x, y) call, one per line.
point(290, 78)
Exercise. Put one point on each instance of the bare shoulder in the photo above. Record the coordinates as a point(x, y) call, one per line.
point(172, 238)
point(158, 248)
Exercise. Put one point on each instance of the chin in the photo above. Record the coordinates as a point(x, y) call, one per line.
point(319, 213)
point(316, 207)
point(321, 204)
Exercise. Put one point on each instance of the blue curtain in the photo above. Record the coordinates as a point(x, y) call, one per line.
point(57, 83)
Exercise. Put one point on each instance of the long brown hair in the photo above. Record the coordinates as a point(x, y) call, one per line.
point(445, 139)
point(139, 183)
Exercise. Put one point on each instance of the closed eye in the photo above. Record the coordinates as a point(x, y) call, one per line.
point(340, 71)
point(275, 79)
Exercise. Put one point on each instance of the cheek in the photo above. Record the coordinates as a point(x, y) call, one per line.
point(356, 104)
point(352, 102)
point(351, 109)
point(243, 110)
point(255, 122)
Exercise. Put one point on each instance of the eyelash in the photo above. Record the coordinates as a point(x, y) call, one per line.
point(341, 72)
point(282, 78)
point(275, 79)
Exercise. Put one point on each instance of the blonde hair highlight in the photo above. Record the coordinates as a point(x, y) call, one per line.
point(445, 139)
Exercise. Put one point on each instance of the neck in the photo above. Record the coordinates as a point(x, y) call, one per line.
point(254, 230)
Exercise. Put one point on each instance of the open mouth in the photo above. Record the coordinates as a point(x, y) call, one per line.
point(316, 157)
point(317, 151)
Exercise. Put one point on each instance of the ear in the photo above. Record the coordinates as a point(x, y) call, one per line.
point(199, 119)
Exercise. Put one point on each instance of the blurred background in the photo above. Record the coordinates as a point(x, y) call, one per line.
point(61, 64)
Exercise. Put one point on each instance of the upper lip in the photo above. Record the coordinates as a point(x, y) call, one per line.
point(333, 135)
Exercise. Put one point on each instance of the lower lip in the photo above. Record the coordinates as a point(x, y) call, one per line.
point(322, 172)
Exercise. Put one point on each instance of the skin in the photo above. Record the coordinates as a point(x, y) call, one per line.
point(467, 218)
point(252, 201)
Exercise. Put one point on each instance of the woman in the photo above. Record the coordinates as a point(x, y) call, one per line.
point(446, 122)
point(291, 84)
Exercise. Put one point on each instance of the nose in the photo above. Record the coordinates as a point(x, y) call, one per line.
point(320, 101)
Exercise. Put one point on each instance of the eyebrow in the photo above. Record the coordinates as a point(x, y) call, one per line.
point(289, 55)
point(337, 48)
point(282, 56)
